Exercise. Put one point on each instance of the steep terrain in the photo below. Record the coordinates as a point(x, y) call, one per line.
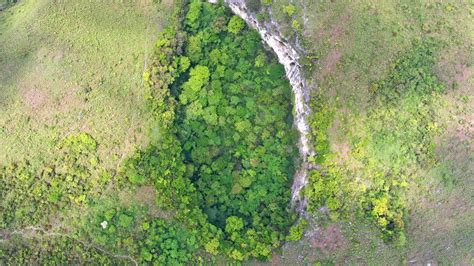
point(357, 46)
point(183, 132)
point(289, 58)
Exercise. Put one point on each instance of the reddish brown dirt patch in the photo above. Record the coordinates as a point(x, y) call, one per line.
point(57, 55)
point(4, 234)
point(460, 79)
point(339, 29)
point(334, 36)
point(276, 260)
point(69, 100)
point(145, 196)
point(338, 144)
point(327, 240)
point(343, 150)
point(330, 62)
point(465, 131)
point(44, 53)
point(456, 70)
point(34, 97)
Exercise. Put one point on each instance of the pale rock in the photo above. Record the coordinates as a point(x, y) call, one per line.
point(288, 57)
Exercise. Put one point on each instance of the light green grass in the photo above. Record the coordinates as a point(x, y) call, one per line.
point(356, 42)
point(74, 66)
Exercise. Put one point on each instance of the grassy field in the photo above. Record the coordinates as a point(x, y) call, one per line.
point(74, 66)
point(69, 67)
point(356, 44)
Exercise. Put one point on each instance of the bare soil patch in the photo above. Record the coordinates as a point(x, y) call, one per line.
point(145, 196)
point(329, 63)
point(456, 69)
point(34, 97)
point(334, 36)
point(339, 144)
point(328, 239)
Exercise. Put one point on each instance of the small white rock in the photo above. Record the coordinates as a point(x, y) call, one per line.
point(104, 224)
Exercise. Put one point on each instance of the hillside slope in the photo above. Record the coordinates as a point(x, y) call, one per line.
point(368, 135)
point(70, 67)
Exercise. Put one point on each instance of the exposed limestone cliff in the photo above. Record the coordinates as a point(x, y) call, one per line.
point(288, 57)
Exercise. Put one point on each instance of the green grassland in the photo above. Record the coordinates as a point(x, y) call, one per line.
point(70, 67)
point(214, 178)
point(117, 148)
point(72, 108)
point(417, 146)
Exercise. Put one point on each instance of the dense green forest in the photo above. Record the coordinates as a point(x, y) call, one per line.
point(170, 140)
point(221, 157)
point(229, 127)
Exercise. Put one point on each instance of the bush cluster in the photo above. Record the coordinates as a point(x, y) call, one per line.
point(224, 151)
point(74, 177)
point(392, 139)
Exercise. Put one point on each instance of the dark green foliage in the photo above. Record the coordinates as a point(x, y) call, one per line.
point(224, 144)
point(168, 244)
point(192, 17)
point(327, 185)
point(238, 146)
point(296, 231)
point(220, 159)
point(403, 131)
point(6, 4)
point(130, 230)
point(410, 76)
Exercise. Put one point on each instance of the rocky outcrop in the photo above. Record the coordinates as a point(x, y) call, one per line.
point(289, 58)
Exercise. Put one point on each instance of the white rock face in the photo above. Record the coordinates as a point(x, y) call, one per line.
point(288, 57)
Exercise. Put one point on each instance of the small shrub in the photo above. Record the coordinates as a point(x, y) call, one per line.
point(289, 10)
point(235, 25)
